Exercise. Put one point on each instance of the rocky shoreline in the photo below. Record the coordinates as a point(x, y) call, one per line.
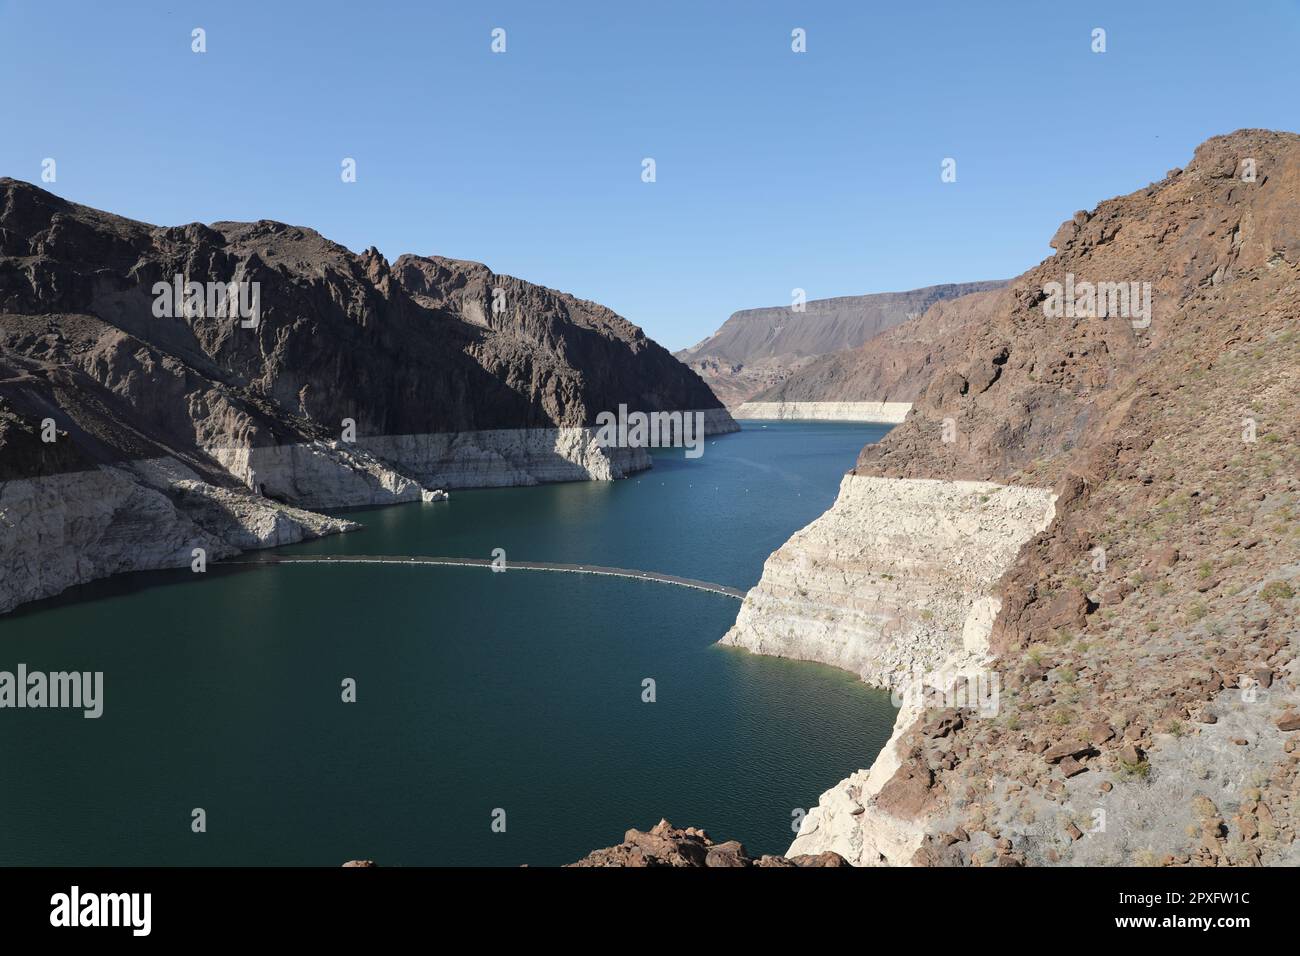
point(665, 845)
point(72, 527)
point(66, 529)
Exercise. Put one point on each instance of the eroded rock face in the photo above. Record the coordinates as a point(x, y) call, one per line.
point(885, 582)
point(894, 583)
point(68, 528)
point(355, 383)
point(666, 845)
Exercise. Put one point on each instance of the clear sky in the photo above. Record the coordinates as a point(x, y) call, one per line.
point(775, 170)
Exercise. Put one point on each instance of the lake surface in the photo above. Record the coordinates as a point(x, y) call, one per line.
point(476, 691)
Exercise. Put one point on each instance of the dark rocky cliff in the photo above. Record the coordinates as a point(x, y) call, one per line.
point(409, 349)
point(358, 383)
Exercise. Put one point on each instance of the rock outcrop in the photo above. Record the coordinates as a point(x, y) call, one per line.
point(666, 845)
point(68, 528)
point(319, 379)
point(896, 577)
point(1155, 601)
point(756, 350)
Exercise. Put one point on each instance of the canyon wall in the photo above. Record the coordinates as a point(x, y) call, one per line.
point(351, 382)
point(886, 581)
point(1131, 581)
point(896, 583)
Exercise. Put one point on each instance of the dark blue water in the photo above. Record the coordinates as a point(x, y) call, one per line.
point(476, 691)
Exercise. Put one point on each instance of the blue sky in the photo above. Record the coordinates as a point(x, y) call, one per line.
point(775, 170)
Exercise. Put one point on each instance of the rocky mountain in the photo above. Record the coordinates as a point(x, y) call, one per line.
point(757, 349)
point(1077, 560)
point(141, 418)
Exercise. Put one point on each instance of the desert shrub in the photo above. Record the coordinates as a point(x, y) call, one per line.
point(1276, 591)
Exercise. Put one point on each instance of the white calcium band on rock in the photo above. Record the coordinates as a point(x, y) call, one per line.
point(888, 413)
point(896, 578)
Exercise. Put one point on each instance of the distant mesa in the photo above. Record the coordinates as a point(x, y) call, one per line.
point(756, 350)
